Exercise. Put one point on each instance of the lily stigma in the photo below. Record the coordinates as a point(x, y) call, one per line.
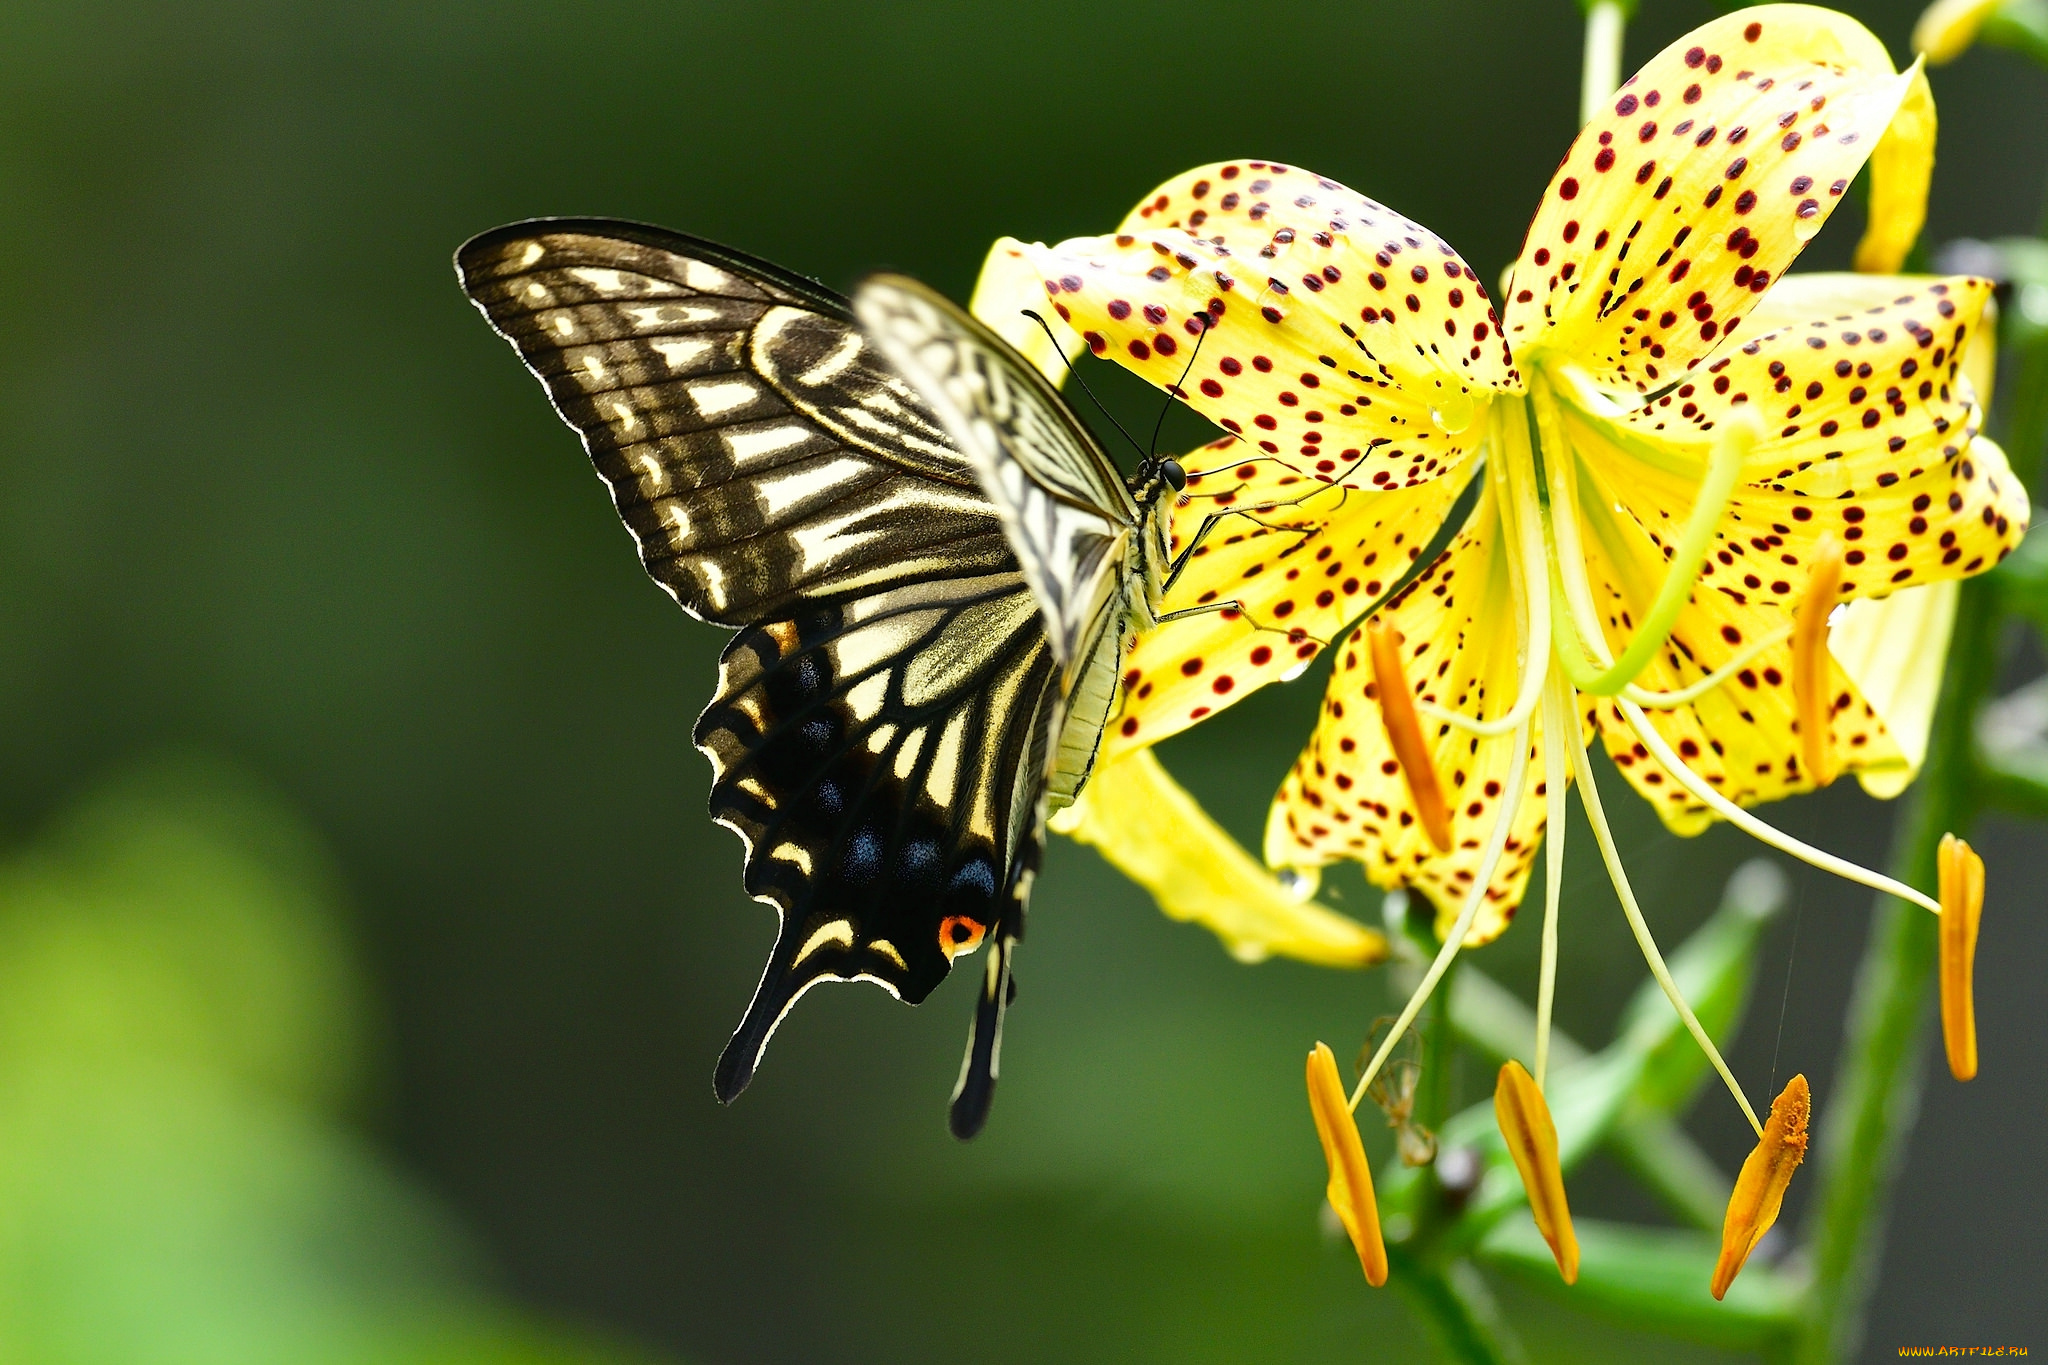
point(1717, 513)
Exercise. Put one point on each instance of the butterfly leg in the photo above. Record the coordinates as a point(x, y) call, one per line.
point(977, 1085)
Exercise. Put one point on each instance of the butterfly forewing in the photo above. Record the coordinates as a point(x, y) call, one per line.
point(887, 714)
point(1070, 518)
point(761, 451)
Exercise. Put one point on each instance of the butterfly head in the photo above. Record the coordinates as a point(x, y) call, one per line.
point(1157, 476)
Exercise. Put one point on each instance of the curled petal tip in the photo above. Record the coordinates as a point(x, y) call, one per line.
point(1404, 734)
point(1760, 1188)
point(1948, 27)
point(1525, 1124)
point(1350, 1188)
point(1901, 168)
point(1962, 903)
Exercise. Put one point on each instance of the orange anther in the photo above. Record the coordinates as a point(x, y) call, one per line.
point(1810, 673)
point(1760, 1189)
point(1350, 1188)
point(1524, 1117)
point(1962, 902)
point(1404, 734)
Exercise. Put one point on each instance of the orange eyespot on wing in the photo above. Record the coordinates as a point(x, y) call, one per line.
point(959, 935)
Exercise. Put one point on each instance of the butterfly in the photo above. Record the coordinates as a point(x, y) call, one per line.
point(932, 567)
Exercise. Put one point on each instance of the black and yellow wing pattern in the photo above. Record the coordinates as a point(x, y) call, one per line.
point(1082, 541)
point(886, 715)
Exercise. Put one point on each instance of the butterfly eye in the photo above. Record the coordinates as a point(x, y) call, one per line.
point(1171, 471)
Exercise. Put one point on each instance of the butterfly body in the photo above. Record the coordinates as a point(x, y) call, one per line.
point(932, 571)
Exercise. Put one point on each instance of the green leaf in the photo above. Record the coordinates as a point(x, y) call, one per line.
point(2019, 26)
point(1655, 1279)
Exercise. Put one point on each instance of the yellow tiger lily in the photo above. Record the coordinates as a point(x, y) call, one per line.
point(1689, 465)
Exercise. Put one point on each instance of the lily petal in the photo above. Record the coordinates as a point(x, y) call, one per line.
point(1697, 186)
point(1946, 28)
point(1152, 831)
point(1893, 649)
point(1444, 345)
point(1346, 797)
point(1869, 438)
point(1900, 170)
point(1302, 561)
point(1309, 344)
point(1743, 735)
point(1008, 285)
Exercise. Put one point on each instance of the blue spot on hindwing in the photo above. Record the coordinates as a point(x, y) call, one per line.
point(917, 863)
point(862, 858)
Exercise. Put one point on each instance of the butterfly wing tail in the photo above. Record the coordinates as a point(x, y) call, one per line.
point(976, 1089)
point(779, 989)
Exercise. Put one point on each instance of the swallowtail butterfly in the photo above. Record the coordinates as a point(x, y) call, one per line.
point(932, 567)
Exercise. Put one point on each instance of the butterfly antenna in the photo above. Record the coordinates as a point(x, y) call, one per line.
point(1047, 327)
point(1178, 390)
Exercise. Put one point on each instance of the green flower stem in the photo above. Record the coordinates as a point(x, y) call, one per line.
point(2026, 424)
point(1600, 71)
point(1876, 1097)
point(1453, 1300)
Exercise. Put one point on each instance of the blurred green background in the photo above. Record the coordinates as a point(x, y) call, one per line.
point(364, 949)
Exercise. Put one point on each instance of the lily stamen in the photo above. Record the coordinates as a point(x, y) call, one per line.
point(1589, 799)
point(1350, 1190)
point(1556, 773)
point(1811, 687)
point(1531, 1137)
point(1749, 824)
point(1687, 695)
point(1489, 862)
point(1760, 1188)
point(1961, 875)
point(1404, 734)
point(1578, 626)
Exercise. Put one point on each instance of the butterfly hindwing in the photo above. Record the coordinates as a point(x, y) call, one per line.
point(878, 758)
point(885, 717)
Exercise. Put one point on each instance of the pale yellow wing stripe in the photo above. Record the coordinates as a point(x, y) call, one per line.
point(1065, 509)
